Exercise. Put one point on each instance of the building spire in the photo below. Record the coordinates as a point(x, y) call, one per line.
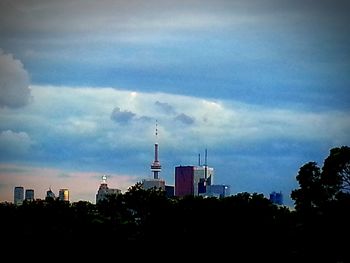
point(156, 167)
point(156, 128)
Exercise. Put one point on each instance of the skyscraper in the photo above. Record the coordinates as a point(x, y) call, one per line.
point(50, 194)
point(192, 180)
point(29, 195)
point(18, 195)
point(184, 180)
point(63, 195)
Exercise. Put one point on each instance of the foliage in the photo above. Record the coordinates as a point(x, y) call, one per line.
point(246, 223)
point(336, 171)
point(323, 203)
point(310, 194)
point(317, 187)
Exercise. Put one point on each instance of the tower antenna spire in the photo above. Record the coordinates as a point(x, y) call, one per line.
point(206, 164)
point(156, 130)
point(156, 167)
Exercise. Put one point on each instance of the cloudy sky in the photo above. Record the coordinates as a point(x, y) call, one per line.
point(264, 85)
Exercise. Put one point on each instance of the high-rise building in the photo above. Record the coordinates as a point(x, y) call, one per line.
point(169, 191)
point(103, 191)
point(192, 180)
point(184, 180)
point(203, 176)
point(63, 195)
point(50, 194)
point(29, 195)
point(18, 195)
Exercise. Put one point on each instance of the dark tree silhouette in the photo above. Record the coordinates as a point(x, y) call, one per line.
point(336, 172)
point(323, 203)
point(310, 194)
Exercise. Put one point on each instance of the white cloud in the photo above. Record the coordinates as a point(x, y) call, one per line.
point(14, 143)
point(88, 110)
point(72, 127)
point(14, 82)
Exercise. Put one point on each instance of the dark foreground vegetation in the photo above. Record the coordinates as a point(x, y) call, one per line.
point(245, 225)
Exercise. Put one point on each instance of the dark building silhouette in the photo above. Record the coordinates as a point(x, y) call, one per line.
point(50, 194)
point(169, 190)
point(104, 191)
point(18, 195)
point(29, 195)
point(217, 190)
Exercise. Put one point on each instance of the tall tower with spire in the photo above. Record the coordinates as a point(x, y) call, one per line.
point(155, 166)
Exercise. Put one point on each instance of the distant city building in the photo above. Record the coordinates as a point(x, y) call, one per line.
point(103, 191)
point(18, 195)
point(63, 195)
point(50, 194)
point(202, 177)
point(192, 180)
point(184, 180)
point(153, 183)
point(276, 198)
point(169, 191)
point(29, 195)
point(218, 190)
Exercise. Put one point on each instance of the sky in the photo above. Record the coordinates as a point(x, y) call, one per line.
point(264, 85)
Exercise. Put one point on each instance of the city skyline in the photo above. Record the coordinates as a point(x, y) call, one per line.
point(263, 85)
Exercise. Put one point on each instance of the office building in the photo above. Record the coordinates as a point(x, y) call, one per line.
point(18, 195)
point(192, 180)
point(169, 191)
point(50, 194)
point(63, 195)
point(29, 196)
point(104, 191)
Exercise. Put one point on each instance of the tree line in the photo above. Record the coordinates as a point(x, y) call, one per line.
point(248, 223)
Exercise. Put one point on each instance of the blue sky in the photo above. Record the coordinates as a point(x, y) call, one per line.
point(263, 85)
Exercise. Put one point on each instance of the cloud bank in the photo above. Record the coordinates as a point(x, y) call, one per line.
point(14, 82)
point(252, 148)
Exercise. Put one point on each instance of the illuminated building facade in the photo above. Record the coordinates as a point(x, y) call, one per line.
point(18, 195)
point(63, 195)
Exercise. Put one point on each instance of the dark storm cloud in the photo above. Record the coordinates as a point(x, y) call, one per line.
point(185, 119)
point(165, 107)
point(122, 116)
